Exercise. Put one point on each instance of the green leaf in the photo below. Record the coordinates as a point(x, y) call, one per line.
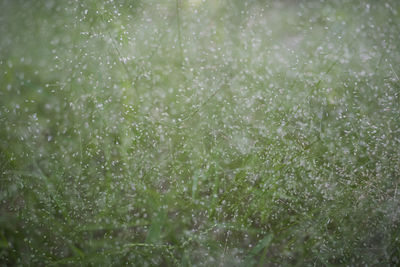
point(263, 244)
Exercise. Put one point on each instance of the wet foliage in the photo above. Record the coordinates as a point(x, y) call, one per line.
point(199, 133)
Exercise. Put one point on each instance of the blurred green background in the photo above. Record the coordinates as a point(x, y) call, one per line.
point(199, 133)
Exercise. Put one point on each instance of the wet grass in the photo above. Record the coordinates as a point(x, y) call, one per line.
point(180, 133)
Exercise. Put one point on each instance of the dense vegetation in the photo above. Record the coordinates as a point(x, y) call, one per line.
point(180, 133)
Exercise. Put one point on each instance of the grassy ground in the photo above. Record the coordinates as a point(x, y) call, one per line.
point(184, 133)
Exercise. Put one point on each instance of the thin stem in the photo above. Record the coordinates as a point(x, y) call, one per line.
point(178, 21)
